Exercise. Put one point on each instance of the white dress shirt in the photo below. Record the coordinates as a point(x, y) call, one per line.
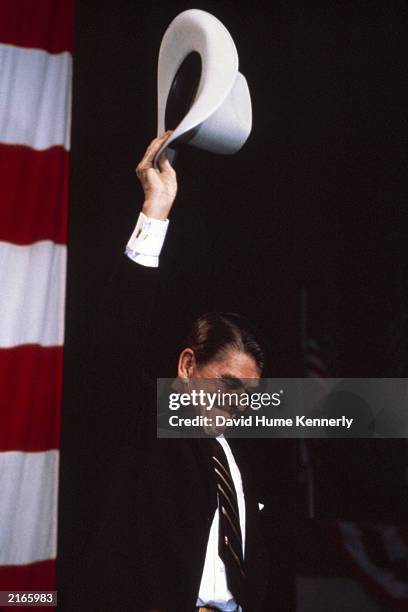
point(144, 248)
point(213, 588)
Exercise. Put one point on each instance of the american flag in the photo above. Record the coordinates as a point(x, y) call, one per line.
point(315, 364)
point(376, 552)
point(35, 113)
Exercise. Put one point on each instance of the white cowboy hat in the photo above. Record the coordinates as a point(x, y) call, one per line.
point(201, 94)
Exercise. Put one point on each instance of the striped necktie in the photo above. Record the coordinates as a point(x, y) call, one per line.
point(230, 547)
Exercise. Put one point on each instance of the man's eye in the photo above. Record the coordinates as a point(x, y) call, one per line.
point(230, 384)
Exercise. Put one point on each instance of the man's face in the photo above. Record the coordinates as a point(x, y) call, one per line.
point(233, 372)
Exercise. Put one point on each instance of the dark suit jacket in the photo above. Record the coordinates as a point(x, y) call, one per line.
point(147, 547)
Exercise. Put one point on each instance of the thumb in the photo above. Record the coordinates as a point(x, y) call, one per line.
point(164, 164)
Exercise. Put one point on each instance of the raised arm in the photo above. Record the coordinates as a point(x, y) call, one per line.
point(120, 391)
point(123, 360)
point(160, 188)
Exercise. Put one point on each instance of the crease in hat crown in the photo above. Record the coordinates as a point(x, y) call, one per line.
point(195, 30)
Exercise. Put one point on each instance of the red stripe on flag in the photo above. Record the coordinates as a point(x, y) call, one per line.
point(30, 400)
point(41, 24)
point(314, 371)
point(39, 576)
point(40, 211)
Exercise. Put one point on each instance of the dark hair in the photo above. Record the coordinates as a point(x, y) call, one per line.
point(214, 333)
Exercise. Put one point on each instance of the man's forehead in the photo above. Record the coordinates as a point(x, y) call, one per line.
point(238, 365)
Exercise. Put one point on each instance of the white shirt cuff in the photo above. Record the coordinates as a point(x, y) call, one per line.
point(146, 241)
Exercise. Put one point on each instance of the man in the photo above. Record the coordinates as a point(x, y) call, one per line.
point(178, 530)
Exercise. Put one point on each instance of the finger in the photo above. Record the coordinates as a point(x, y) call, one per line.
point(165, 166)
point(150, 153)
point(161, 159)
point(154, 147)
point(165, 135)
point(159, 140)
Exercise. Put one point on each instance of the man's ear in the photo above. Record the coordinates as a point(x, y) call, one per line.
point(186, 364)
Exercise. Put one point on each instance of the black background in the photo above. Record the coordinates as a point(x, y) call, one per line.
point(315, 199)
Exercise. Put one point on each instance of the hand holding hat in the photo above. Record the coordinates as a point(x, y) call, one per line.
point(159, 185)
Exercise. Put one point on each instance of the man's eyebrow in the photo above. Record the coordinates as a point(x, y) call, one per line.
point(233, 382)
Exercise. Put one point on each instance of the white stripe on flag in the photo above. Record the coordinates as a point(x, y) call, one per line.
point(28, 522)
point(32, 294)
point(35, 97)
